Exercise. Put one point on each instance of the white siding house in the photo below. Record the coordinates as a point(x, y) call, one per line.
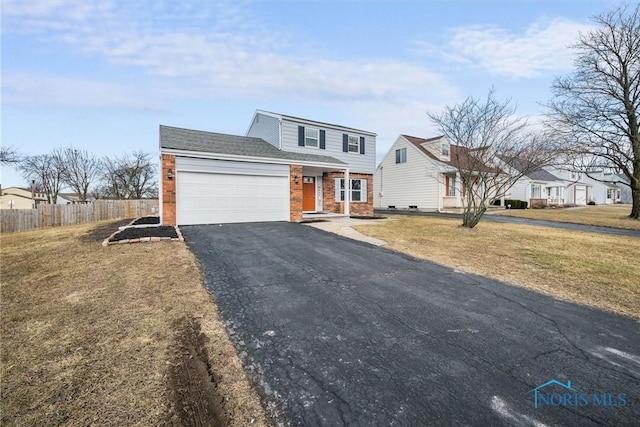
point(417, 173)
point(577, 190)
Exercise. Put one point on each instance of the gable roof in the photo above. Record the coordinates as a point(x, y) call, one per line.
point(314, 122)
point(459, 157)
point(218, 143)
point(538, 174)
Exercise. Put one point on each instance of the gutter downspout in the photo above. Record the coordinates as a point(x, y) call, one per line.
point(439, 193)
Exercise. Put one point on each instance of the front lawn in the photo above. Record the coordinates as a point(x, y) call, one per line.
point(113, 336)
point(594, 269)
point(603, 215)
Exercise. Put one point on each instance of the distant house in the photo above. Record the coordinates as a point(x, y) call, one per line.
point(419, 173)
point(577, 190)
point(625, 188)
point(538, 188)
point(72, 199)
point(608, 187)
point(20, 198)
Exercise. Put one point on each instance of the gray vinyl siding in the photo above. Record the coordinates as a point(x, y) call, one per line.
point(358, 163)
point(267, 128)
point(190, 164)
point(413, 183)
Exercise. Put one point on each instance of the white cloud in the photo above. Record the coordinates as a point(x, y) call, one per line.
point(30, 90)
point(543, 48)
point(220, 50)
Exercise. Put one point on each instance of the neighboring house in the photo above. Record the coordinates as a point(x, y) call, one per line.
point(420, 173)
point(607, 187)
point(539, 188)
point(72, 199)
point(577, 190)
point(285, 169)
point(624, 184)
point(20, 198)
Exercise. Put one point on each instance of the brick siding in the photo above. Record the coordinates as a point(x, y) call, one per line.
point(168, 190)
point(355, 208)
point(295, 193)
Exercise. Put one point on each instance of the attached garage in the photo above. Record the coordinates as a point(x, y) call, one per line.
point(214, 178)
point(219, 191)
point(580, 195)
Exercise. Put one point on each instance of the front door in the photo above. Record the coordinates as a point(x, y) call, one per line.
point(308, 193)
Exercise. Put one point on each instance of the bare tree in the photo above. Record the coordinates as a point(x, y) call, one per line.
point(596, 108)
point(9, 155)
point(489, 140)
point(82, 170)
point(129, 177)
point(47, 171)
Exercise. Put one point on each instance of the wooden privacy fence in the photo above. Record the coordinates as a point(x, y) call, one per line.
point(12, 220)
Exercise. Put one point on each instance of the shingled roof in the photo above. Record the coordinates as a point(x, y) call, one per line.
point(536, 175)
point(459, 157)
point(219, 143)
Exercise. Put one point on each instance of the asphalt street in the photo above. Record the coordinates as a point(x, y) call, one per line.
point(523, 221)
point(339, 332)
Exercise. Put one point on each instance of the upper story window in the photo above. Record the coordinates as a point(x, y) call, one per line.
point(444, 149)
point(354, 144)
point(311, 137)
point(401, 155)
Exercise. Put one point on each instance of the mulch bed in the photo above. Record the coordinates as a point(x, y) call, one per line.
point(147, 220)
point(144, 229)
point(138, 233)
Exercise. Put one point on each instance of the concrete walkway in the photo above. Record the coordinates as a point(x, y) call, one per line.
point(343, 227)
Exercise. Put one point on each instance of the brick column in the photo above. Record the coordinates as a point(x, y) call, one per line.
point(295, 193)
point(168, 190)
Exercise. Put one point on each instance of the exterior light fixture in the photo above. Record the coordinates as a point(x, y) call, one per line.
point(295, 179)
point(170, 173)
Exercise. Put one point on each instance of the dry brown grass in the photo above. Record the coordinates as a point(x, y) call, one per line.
point(90, 333)
point(605, 215)
point(593, 269)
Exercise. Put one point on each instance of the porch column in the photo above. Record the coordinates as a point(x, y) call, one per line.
point(347, 191)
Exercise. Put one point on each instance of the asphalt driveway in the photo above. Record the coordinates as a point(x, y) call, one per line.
point(340, 332)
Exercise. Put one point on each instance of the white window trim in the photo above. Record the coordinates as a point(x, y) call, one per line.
point(399, 155)
point(317, 137)
point(339, 193)
point(442, 149)
point(533, 188)
point(349, 145)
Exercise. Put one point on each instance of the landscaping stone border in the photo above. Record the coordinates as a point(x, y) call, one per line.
point(109, 240)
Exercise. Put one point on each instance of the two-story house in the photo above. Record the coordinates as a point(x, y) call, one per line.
point(577, 190)
point(21, 198)
point(419, 173)
point(284, 169)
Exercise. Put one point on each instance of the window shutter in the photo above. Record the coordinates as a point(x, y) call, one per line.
point(301, 136)
point(345, 143)
point(362, 145)
point(337, 187)
point(363, 190)
point(322, 140)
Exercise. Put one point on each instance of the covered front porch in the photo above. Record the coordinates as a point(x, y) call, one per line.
point(330, 192)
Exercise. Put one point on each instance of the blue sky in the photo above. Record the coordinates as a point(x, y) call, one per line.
point(104, 75)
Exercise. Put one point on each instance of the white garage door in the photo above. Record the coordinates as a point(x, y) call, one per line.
point(216, 198)
point(581, 196)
